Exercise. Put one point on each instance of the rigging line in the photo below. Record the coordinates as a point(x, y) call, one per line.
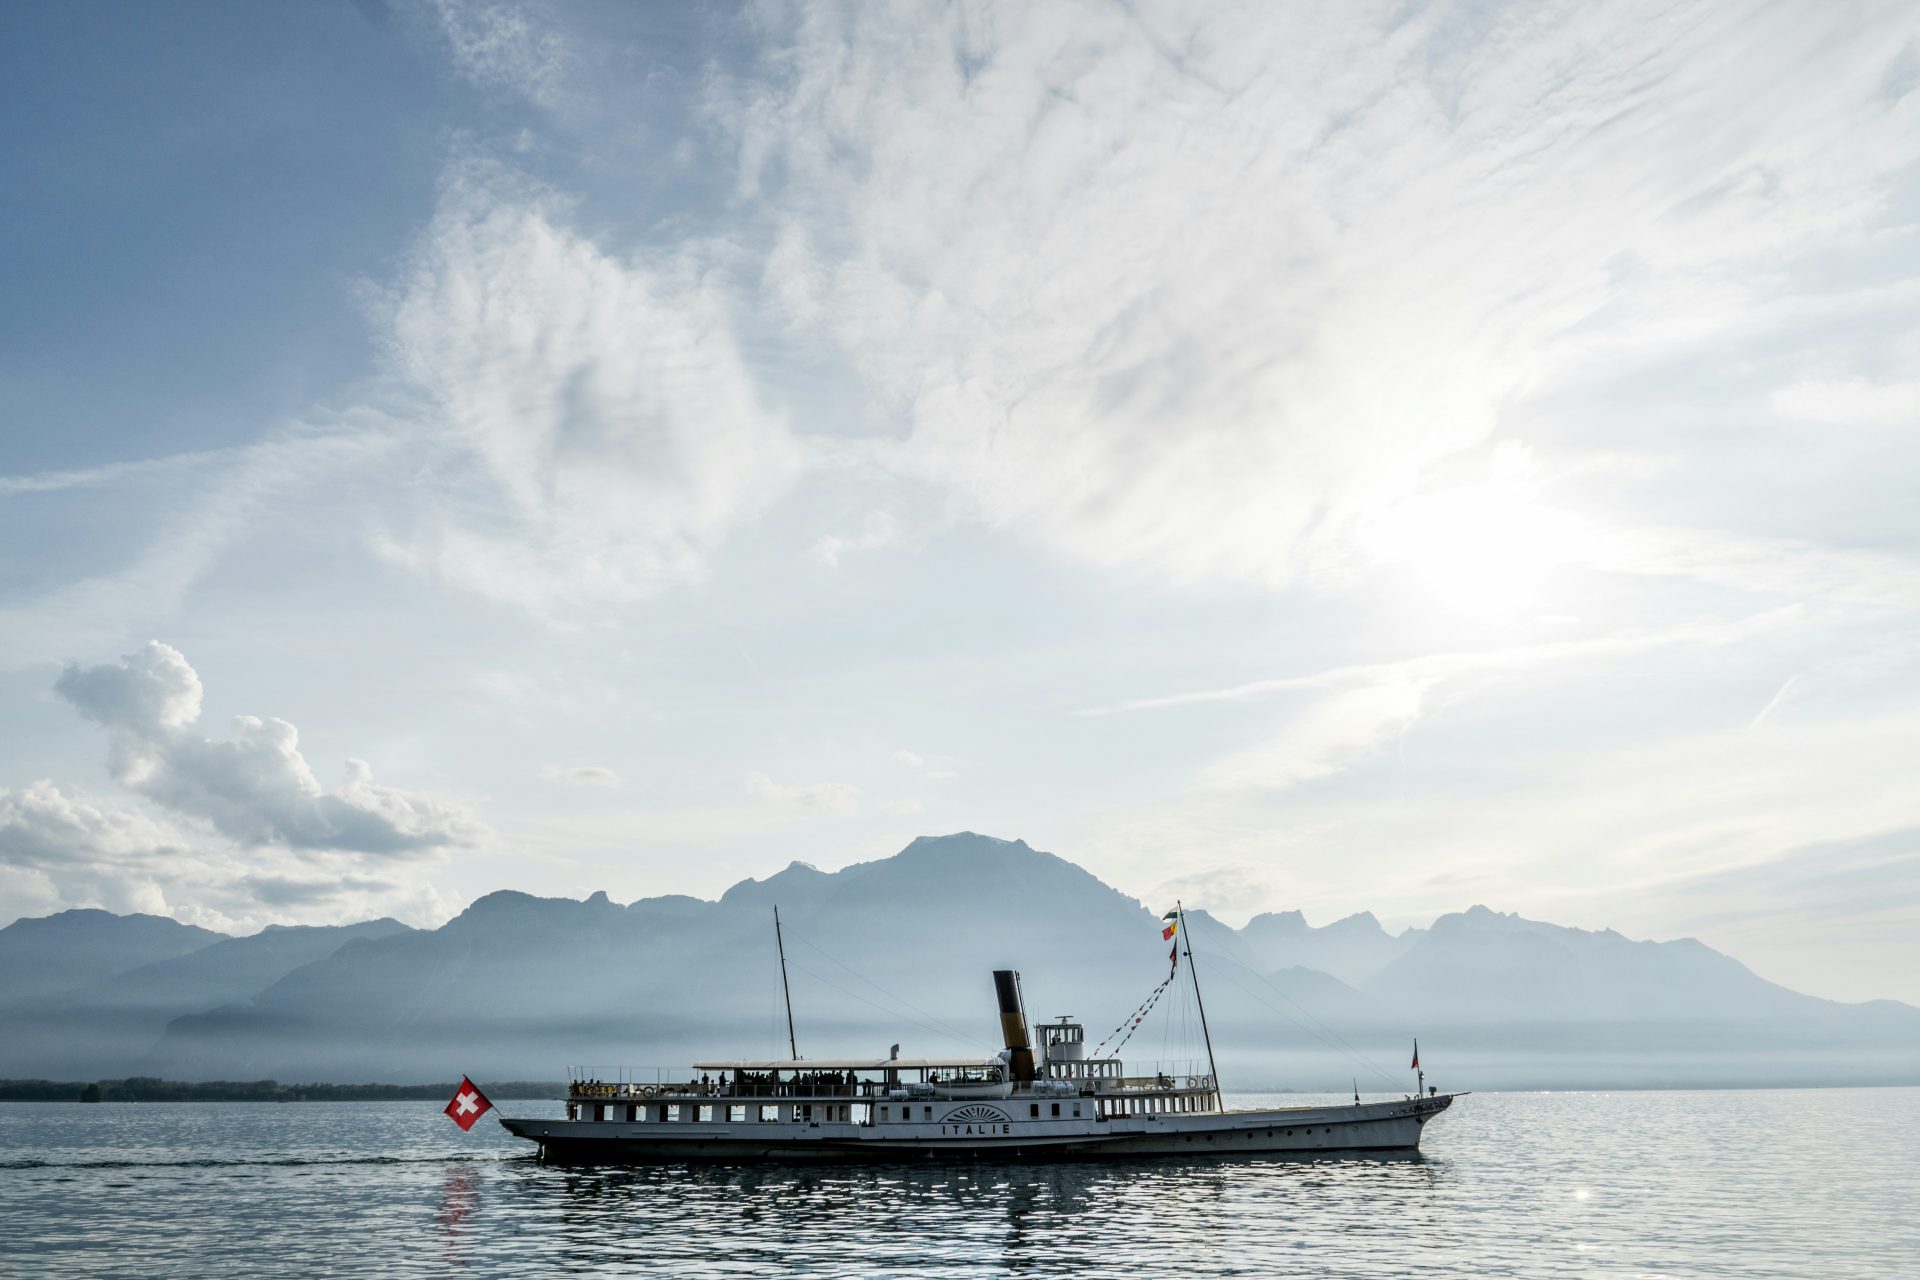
point(1308, 1014)
point(1140, 1016)
point(1166, 1024)
point(1136, 1013)
point(951, 1029)
point(1349, 1054)
point(1133, 1019)
point(892, 1013)
point(1123, 1039)
point(1132, 1015)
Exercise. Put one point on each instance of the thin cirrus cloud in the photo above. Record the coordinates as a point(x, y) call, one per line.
point(255, 787)
point(229, 497)
point(819, 797)
point(1328, 737)
point(496, 44)
point(877, 529)
point(582, 775)
point(595, 427)
point(1195, 292)
point(1850, 402)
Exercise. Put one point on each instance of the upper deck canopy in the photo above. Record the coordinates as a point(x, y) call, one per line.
point(846, 1064)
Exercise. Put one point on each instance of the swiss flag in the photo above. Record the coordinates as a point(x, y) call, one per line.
point(468, 1104)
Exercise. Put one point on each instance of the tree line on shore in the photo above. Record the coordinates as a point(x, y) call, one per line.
point(151, 1089)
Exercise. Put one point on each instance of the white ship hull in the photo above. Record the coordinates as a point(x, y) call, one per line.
point(977, 1131)
point(1064, 1104)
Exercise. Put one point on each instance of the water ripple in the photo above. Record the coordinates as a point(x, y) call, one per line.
point(1757, 1184)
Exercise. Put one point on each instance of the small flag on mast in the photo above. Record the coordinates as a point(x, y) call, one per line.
point(1416, 1056)
point(468, 1104)
point(1166, 934)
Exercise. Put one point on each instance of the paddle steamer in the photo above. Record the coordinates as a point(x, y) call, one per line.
point(1059, 1103)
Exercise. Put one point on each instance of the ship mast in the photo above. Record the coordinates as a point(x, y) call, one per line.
point(785, 990)
point(1194, 973)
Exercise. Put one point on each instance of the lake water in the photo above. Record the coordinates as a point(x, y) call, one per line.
point(1789, 1183)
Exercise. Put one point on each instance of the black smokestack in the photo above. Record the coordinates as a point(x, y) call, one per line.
point(1013, 1024)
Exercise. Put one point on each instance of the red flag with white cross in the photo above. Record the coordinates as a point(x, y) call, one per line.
point(468, 1104)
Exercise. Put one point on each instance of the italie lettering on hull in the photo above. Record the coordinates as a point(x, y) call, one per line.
point(1063, 1102)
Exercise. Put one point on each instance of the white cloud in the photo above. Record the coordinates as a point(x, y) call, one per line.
point(932, 771)
point(1430, 669)
point(825, 797)
point(112, 473)
point(1850, 402)
point(1777, 701)
point(497, 44)
point(877, 530)
point(254, 787)
point(260, 485)
point(584, 775)
point(60, 850)
point(599, 428)
point(1329, 736)
point(1781, 567)
point(1195, 291)
point(152, 691)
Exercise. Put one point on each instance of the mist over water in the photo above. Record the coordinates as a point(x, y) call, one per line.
point(1786, 1183)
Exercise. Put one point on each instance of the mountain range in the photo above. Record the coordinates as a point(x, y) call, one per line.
point(899, 950)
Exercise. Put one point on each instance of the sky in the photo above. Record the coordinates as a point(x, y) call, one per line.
point(1338, 456)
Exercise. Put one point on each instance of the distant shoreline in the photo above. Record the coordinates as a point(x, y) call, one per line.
point(150, 1089)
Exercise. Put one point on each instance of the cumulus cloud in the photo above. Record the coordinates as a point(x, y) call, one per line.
point(822, 797)
point(151, 691)
point(58, 851)
point(582, 775)
point(1193, 290)
point(599, 430)
point(255, 786)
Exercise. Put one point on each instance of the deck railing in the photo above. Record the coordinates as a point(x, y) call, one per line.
point(634, 1083)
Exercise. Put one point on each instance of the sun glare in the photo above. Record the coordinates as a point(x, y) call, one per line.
point(1485, 549)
